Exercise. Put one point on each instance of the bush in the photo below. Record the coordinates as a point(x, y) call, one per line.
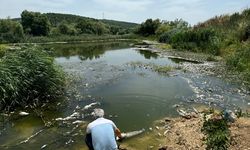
point(202, 40)
point(28, 77)
point(10, 31)
point(148, 27)
point(217, 132)
point(2, 50)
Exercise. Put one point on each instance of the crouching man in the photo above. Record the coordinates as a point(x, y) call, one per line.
point(101, 133)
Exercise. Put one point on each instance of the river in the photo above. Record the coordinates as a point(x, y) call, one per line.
point(117, 78)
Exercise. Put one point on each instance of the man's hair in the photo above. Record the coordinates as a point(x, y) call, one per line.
point(98, 113)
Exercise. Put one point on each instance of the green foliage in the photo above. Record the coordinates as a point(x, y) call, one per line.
point(2, 50)
point(35, 23)
point(148, 27)
point(163, 69)
point(202, 40)
point(77, 38)
point(64, 28)
point(111, 26)
point(217, 132)
point(89, 27)
point(10, 31)
point(28, 77)
point(239, 60)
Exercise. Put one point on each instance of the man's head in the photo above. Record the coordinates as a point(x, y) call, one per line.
point(98, 113)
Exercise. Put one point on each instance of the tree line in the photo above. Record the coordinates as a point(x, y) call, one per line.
point(226, 35)
point(52, 24)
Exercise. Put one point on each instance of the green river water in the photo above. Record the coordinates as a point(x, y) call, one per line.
point(133, 97)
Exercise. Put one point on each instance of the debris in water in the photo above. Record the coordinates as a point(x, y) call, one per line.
point(22, 113)
point(44, 146)
point(229, 115)
point(77, 107)
point(69, 141)
point(176, 106)
point(32, 136)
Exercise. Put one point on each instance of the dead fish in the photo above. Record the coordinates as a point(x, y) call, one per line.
point(22, 113)
point(90, 105)
point(71, 117)
point(78, 122)
point(132, 134)
point(182, 112)
point(44, 146)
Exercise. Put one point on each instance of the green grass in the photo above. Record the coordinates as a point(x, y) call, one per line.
point(29, 77)
point(163, 69)
point(78, 38)
point(2, 50)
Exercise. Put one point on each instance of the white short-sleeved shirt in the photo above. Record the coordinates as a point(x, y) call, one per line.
point(103, 135)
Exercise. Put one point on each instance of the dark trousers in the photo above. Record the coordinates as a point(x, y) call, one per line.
point(88, 141)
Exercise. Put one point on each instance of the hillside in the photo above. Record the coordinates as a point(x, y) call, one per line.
point(56, 18)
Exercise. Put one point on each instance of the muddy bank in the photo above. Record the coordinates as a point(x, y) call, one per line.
point(202, 63)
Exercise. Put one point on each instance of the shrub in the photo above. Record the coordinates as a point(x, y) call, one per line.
point(28, 77)
point(203, 40)
point(10, 31)
point(2, 50)
point(148, 27)
point(217, 132)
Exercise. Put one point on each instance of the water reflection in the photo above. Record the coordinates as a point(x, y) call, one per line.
point(181, 60)
point(85, 51)
point(90, 51)
point(148, 54)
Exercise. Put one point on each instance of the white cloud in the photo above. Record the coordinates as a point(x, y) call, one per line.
point(124, 5)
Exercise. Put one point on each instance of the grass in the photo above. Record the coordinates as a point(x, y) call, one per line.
point(164, 46)
point(29, 77)
point(163, 69)
point(2, 50)
point(78, 38)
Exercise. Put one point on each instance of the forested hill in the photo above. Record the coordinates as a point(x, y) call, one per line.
point(119, 23)
point(57, 18)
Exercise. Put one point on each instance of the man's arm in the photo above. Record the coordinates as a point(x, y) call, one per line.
point(118, 133)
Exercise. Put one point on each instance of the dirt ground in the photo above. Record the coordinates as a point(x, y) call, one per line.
point(185, 134)
point(240, 134)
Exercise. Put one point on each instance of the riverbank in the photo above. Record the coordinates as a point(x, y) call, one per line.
point(183, 133)
point(205, 64)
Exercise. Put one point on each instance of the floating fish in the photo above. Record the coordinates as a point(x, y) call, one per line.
point(22, 113)
point(132, 134)
point(90, 105)
point(71, 117)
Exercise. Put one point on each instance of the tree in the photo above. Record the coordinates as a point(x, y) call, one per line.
point(149, 27)
point(91, 27)
point(10, 31)
point(35, 23)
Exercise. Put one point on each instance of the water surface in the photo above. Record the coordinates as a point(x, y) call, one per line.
point(132, 96)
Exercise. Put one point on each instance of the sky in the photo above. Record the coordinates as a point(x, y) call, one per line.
point(193, 11)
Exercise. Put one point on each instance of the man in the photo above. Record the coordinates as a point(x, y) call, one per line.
point(101, 133)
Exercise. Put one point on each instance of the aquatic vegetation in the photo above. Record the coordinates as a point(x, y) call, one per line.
point(29, 77)
point(163, 69)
